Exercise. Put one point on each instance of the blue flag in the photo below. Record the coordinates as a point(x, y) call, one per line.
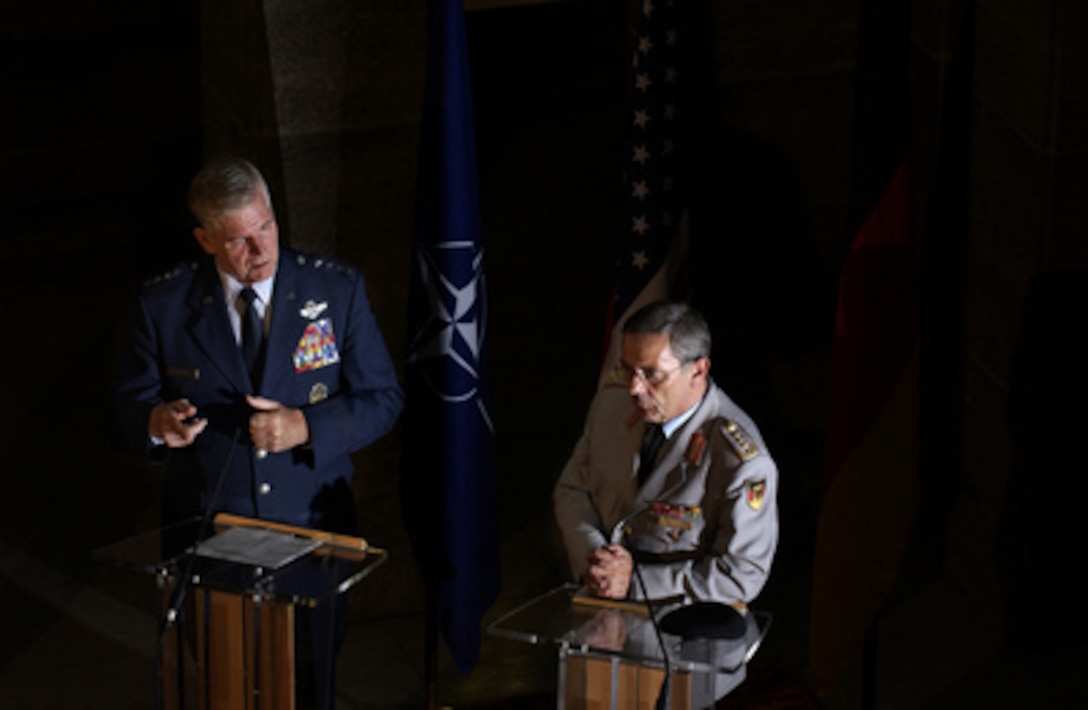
point(448, 473)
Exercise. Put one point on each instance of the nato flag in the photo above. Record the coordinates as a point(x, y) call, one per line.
point(448, 473)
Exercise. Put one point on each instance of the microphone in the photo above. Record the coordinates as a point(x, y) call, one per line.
point(663, 696)
point(173, 610)
point(621, 530)
point(709, 621)
point(623, 527)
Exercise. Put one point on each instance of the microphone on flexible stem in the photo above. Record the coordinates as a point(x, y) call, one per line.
point(622, 527)
point(178, 597)
point(664, 695)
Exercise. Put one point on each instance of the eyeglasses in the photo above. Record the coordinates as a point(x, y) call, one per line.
point(649, 376)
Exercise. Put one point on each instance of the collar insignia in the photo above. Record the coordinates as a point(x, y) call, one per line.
point(696, 447)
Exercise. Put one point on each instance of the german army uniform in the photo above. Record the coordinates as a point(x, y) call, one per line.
point(702, 527)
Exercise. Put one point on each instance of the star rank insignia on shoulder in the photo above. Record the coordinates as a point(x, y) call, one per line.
point(170, 275)
point(323, 263)
point(739, 439)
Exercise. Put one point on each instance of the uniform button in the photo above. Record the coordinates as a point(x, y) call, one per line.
point(265, 489)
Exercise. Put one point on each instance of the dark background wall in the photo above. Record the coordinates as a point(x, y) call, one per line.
point(109, 107)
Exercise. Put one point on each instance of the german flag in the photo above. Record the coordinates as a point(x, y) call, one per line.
point(871, 480)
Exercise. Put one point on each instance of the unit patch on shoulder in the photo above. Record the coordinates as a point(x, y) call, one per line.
point(740, 441)
point(755, 491)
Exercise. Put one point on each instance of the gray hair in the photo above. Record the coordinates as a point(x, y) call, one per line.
point(224, 186)
point(689, 335)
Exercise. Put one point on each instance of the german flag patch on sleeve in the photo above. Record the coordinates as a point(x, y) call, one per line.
point(754, 494)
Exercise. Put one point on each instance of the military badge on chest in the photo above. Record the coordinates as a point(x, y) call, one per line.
point(675, 519)
point(317, 346)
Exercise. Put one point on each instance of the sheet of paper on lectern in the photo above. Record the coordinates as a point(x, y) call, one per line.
point(256, 546)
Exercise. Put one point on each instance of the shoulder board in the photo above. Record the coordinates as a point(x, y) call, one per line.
point(739, 439)
point(320, 262)
point(170, 275)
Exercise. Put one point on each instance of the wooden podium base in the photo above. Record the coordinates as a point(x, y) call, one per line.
point(235, 649)
point(245, 653)
point(591, 682)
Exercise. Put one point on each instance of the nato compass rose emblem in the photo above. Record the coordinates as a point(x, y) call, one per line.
point(447, 346)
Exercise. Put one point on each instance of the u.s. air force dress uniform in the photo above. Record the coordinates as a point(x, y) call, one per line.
point(703, 526)
point(323, 353)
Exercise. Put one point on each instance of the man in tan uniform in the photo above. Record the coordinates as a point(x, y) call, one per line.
point(701, 517)
point(671, 474)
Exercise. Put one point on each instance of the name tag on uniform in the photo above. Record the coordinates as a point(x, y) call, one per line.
point(317, 347)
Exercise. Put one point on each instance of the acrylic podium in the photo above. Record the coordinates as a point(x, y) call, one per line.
point(610, 655)
point(233, 645)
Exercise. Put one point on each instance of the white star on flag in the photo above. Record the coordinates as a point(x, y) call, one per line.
point(455, 327)
point(644, 264)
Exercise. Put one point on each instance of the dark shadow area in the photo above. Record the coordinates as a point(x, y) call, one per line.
point(1042, 527)
point(550, 140)
point(756, 276)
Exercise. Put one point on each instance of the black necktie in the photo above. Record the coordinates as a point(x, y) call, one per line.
point(652, 438)
point(252, 333)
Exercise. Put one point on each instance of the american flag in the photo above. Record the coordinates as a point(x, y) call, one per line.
point(653, 241)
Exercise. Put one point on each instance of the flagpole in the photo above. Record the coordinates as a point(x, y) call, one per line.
point(430, 650)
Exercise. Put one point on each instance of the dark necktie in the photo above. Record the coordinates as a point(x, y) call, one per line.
point(652, 438)
point(252, 333)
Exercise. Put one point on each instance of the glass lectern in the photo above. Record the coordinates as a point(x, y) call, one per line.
point(610, 655)
point(233, 643)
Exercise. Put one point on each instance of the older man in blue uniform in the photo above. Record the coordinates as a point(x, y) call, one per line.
point(271, 351)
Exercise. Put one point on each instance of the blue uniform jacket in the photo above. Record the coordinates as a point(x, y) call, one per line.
point(324, 353)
